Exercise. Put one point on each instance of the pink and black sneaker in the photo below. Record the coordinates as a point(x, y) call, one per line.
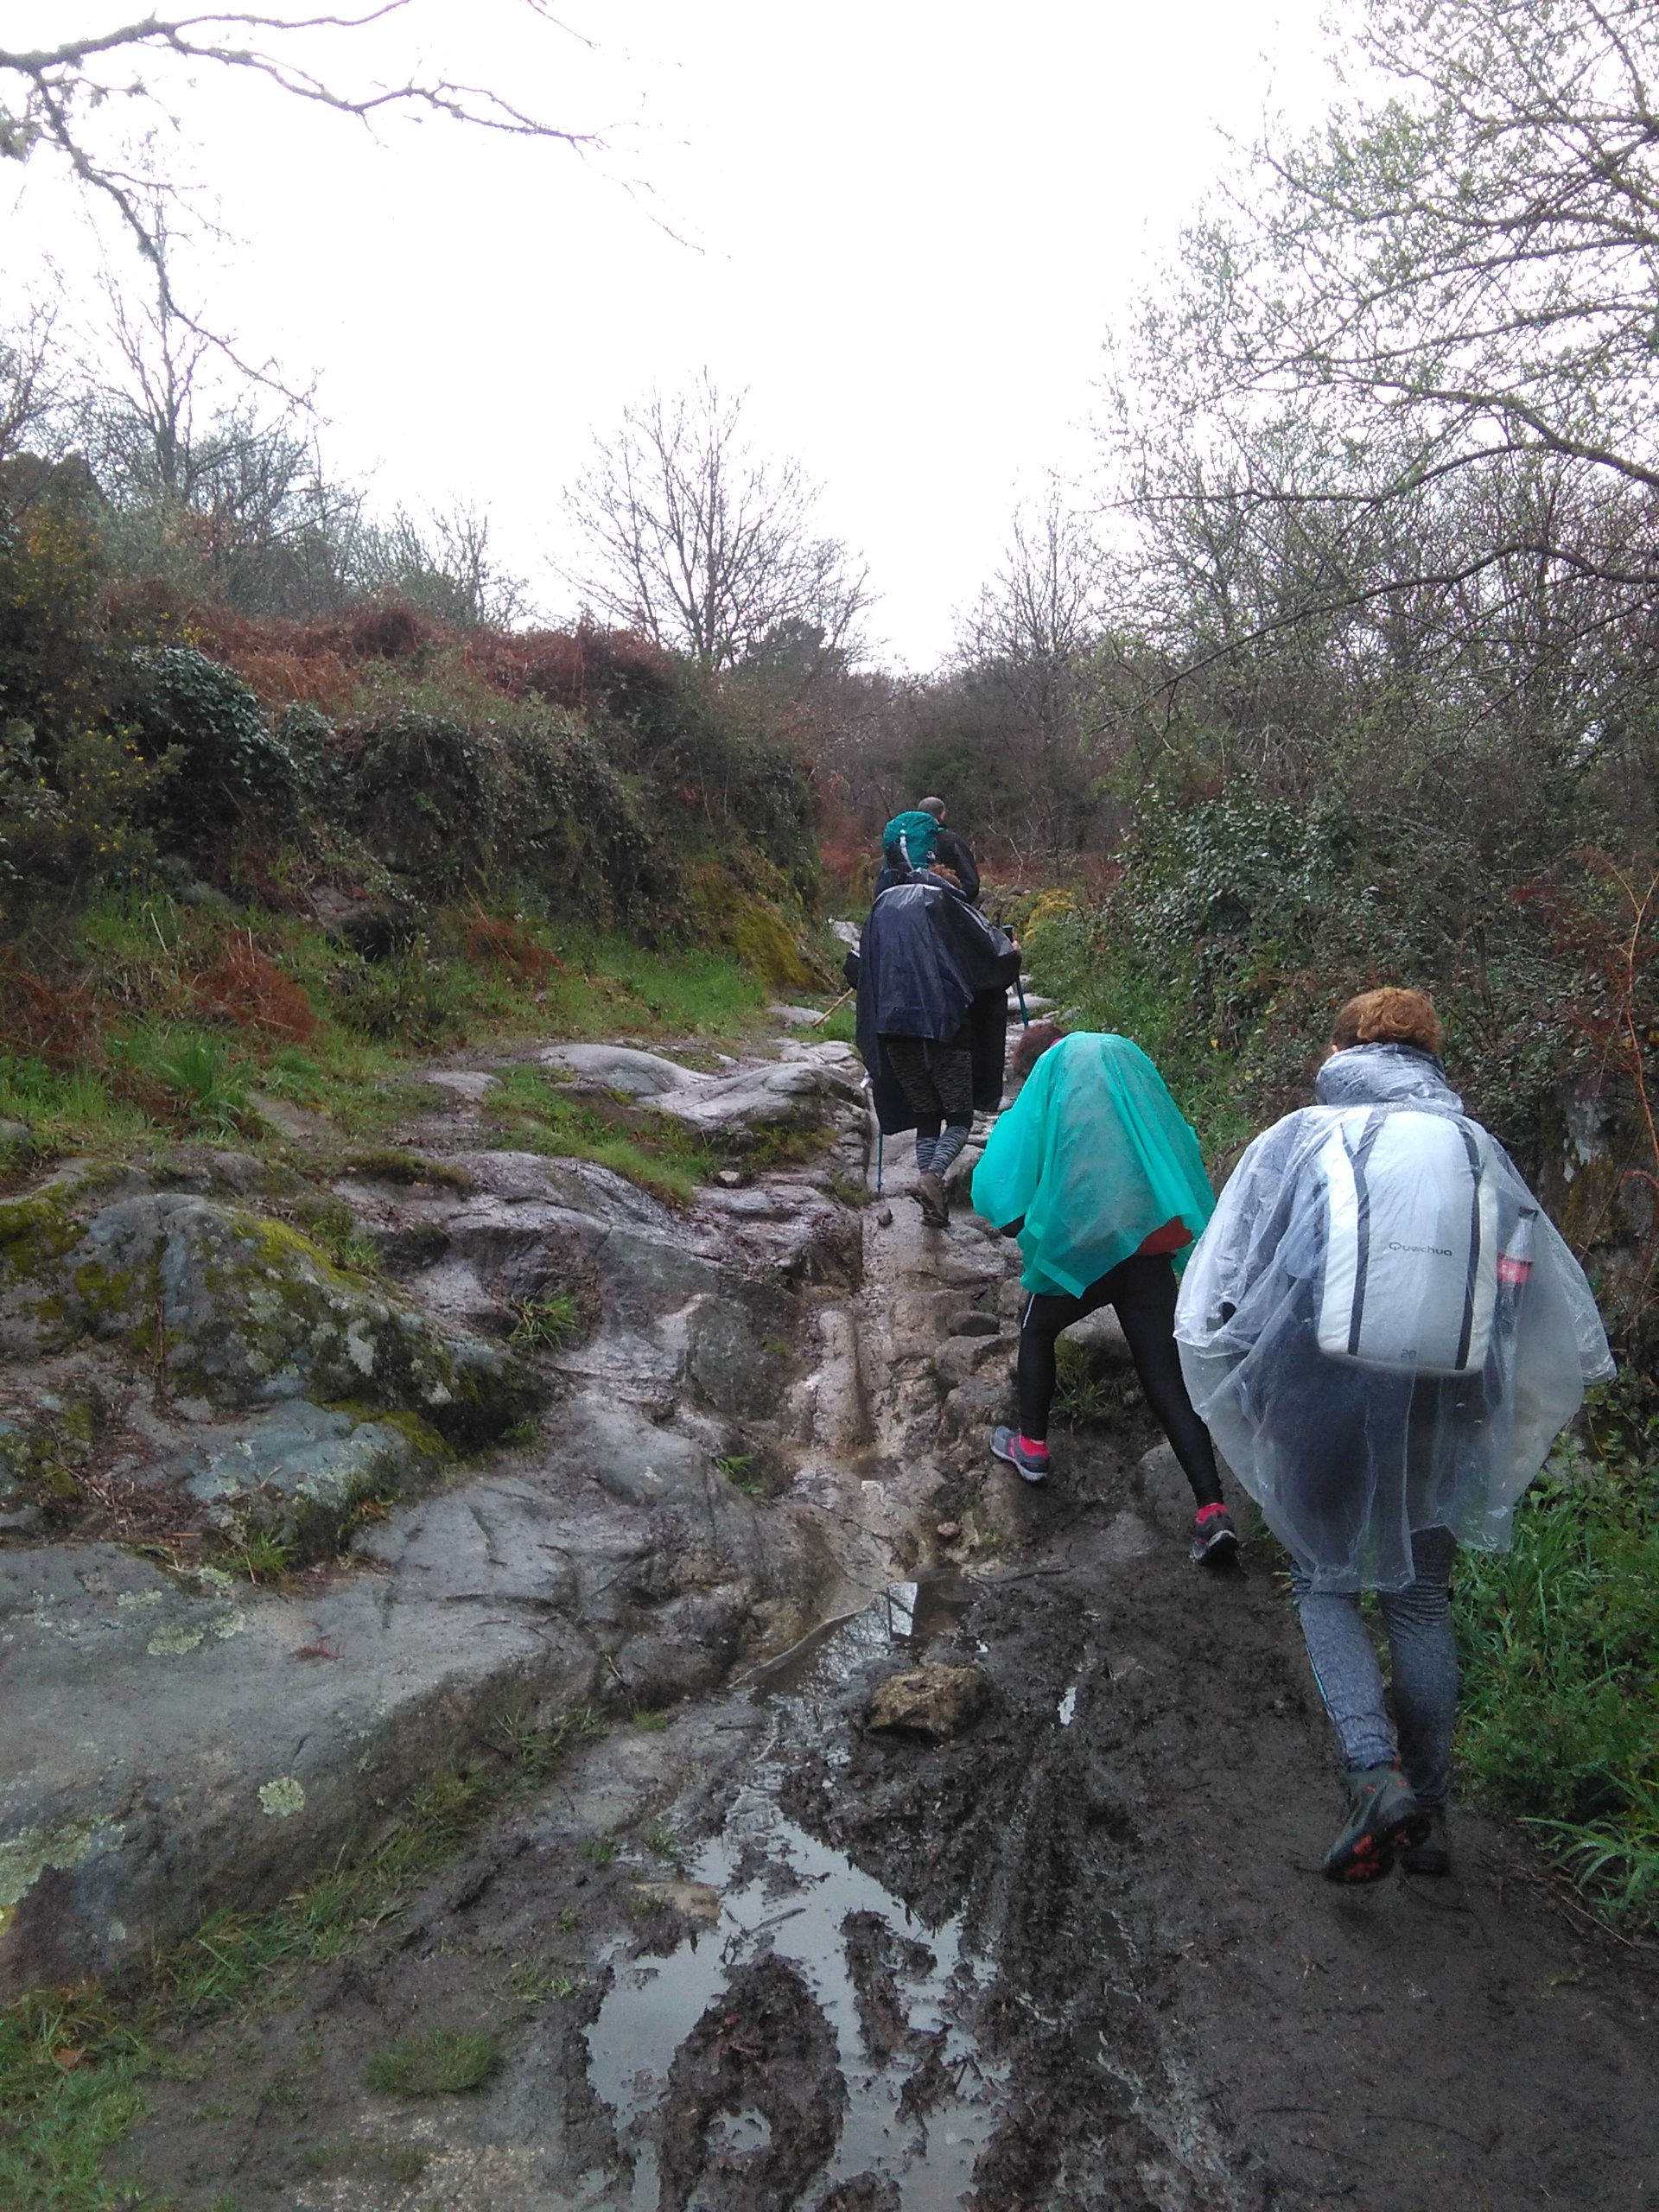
point(1215, 1539)
point(1025, 1453)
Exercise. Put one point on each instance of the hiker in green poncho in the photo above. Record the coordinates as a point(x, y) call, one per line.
point(1095, 1171)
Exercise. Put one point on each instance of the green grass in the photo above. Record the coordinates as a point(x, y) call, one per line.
point(1559, 1645)
point(133, 958)
point(444, 2062)
point(548, 1323)
point(650, 1149)
point(1099, 984)
point(735, 1467)
point(209, 1079)
point(69, 1111)
point(72, 2063)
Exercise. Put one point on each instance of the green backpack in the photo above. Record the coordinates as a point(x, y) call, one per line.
point(909, 839)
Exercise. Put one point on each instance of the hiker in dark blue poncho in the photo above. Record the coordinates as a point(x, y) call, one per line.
point(932, 977)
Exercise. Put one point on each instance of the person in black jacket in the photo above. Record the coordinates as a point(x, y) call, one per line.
point(948, 852)
point(932, 977)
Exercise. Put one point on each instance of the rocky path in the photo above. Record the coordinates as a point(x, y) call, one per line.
point(1057, 1940)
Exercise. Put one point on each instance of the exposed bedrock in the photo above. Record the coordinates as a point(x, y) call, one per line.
point(725, 1449)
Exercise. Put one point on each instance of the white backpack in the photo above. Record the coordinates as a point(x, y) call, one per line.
point(1411, 1247)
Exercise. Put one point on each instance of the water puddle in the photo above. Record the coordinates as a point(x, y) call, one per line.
point(920, 2099)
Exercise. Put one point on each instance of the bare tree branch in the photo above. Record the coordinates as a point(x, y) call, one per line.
point(54, 89)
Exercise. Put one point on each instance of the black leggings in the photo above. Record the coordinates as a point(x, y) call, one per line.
point(1142, 1289)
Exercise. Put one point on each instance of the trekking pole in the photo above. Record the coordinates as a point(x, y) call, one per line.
point(828, 1011)
point(878, 1140)
point(1025, 1019)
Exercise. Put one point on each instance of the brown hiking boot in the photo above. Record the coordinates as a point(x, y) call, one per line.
point(929, 1196)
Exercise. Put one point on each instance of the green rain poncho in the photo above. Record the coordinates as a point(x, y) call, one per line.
point(1096, 1156)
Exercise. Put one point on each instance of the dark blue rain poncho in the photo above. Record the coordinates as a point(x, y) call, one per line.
point(1381, 1329)
point(929, 965)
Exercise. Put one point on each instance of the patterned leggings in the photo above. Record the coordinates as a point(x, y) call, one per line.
point(937, 1081)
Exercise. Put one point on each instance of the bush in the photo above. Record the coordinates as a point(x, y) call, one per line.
point(67, 833)
point(231, 767)
point(52, 651)
point(458, 802)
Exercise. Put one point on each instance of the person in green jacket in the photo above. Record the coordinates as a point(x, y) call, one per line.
point(1094, 1169)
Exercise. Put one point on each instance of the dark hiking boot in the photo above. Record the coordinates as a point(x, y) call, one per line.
point(1215, 1539)
point(1434, 1854)
point(929, 1196)
point(1007, 1444)
point(1385, 1817)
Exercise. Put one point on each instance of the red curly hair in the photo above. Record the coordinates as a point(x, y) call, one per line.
point(1389, 1016)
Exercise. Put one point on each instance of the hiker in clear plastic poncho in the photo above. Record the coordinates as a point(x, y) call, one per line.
point(1385, 1333)
point(1095, 1172)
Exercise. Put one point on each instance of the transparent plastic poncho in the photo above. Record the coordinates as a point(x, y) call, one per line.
point(1380, 1326)
point(1096, 1157)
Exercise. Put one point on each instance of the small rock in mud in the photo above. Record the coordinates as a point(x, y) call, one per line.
point(948, 1532)
point(932, 1701)
point(695, 1900)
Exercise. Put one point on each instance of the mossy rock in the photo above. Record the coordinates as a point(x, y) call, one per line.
point(733, 920)
point(304, 1475)
point(239, 1309)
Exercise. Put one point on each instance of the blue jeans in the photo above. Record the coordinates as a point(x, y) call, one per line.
point(1424, 1653)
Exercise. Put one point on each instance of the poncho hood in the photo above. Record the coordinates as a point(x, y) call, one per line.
point(1386, 1074)
point(1095, 1156)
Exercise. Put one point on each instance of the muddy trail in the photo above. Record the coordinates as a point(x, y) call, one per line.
point(1060, 1942)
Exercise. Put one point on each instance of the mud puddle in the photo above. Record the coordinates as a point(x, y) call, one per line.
point(917, 2097)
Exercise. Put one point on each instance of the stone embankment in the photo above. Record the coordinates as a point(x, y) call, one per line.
point(732, 1431)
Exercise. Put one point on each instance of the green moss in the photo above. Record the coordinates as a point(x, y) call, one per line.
point(47, 1450)
point(279, 1245)
point(34, 1232)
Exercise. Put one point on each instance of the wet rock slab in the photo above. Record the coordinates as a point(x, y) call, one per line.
point(178, 1736)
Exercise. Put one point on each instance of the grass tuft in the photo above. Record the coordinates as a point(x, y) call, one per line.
point(548, 1324)
point(444, 2062)
point(649, 1149)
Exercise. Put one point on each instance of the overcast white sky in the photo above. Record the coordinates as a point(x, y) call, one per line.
point(905, 225)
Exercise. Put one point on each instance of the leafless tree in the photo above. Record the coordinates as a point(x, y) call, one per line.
point(444, 565)
point(1030, 648)
point(50, 95)
point(31, 390)
point(1466, 267)
point(700, 544)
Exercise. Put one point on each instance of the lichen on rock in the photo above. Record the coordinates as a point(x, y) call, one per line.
point(238, 1308)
